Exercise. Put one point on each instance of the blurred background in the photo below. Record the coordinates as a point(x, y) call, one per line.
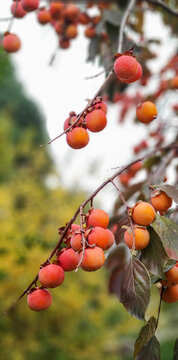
point(41, 187)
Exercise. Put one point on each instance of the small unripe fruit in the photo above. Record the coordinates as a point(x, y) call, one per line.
point(44, 16)
point(170, 294)
point(142, 238)
point(17, 10)
point(99, 237)
point(125, 67)
point(71, 31)
point(146, 112)
point(77, 138)
point(39, 299)
point(30, 5)
point(98, 217)
point(11, 43)
point(143, 213)
point(96, 120)
point(161, 202)
point(51, 276)
point(93, 259)
point(68, 259)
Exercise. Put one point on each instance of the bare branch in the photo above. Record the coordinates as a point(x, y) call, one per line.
point(123, 23)
point(12, 18)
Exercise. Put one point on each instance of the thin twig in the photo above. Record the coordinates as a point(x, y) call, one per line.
point(128, 213)
point(100, 73)
point(123, 23)
point(164, 6)
point(6, 19)
point(83, 237)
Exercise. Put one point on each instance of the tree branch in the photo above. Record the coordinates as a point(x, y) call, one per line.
point(163, 6)
point(123, 23)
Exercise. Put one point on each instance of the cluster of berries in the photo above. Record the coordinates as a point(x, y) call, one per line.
point(89, 253)
point(143, 214)
point(63, 17)
point(93, 119)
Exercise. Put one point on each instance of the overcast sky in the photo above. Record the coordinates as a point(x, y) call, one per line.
point(60, 88)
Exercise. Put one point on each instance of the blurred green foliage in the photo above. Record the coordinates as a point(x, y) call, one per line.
point(84, 322)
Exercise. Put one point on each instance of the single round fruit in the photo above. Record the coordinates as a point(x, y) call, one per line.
point(39, 299)
point(146, 112)
point(111, 240)
point(90, 32)
point(71, 12)
point(99, 237)
point(170, 294)
point(93, 259)
point(55, 9)
point(71, 31)
point(142, 238)
point(11, 43)
point(137, 75)
point(51, 276)
point(30, 5)
point(161, 202)
point(77, 138)
point(68, 259)
point(69, 121)
point(101, 106)
point(98, 217)
point(43, 16)
point(96, 120)
point(64, 43)
point(125, 67)
point(17, 10)
point(171, 276)
point(143, 213)
point(76, 242)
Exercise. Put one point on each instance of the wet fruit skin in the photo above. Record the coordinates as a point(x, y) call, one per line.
point(125, 67)
point(96, 120)
point(11, 43)
point(17, 10)
point(146, 112)
point(93, 259)
point(142, 238)
point(44, 16)
point(51, 276)
point(171, 276)
point(161, 202)
point(99, 236)
point(170, 294)
point(30, 5)
point(143, 213)
point(98, 217)
point(39, 299)
point(77, 138)
point(68, 260)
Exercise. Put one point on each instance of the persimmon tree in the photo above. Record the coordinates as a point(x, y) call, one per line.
point(142, 232)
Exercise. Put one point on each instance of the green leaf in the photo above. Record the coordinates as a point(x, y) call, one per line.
point(171, 191)
point(146, 333)
point(168, 233)
point(151, 351)
point(135, 288)
point(175, 355)
point(154, 256)
point(112, 17)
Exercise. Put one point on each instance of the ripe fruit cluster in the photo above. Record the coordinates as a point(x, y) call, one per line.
point(62, 16)
point(85, 249)
point(127, 68)
point(93, 119)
